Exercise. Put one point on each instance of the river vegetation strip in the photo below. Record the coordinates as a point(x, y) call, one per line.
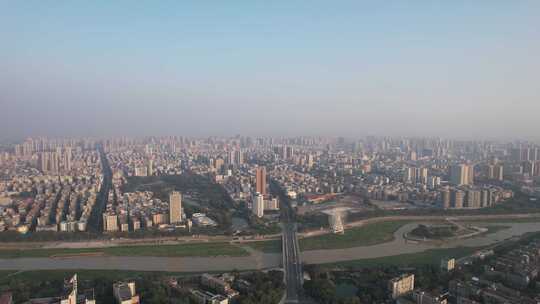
point(179, 250)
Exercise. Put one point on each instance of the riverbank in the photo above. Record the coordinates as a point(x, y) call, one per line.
point(399, 245)
point(396, 250)
point(502, 218)
point(366, 235)
point(178, 250)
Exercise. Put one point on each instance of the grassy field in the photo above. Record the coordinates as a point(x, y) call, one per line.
point(273, 246)
point(183, 250)
point(368, 235)
point(432, 256)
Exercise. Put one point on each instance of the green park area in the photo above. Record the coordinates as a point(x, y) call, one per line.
point(181, 250)
point(370, 234)
point(273, 246)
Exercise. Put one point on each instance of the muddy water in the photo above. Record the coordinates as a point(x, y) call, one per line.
point(260, 260)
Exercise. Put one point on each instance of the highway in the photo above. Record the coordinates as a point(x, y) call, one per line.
point(292, 263)
point(291, 253)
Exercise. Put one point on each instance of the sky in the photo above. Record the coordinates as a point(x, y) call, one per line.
point(466, 69)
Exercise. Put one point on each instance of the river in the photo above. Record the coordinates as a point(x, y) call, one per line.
point(259, 260)
point(400, 246)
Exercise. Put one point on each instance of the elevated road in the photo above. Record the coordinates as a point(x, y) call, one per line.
point(292, 263)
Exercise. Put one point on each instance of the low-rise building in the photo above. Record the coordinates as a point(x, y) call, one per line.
point(124, 293)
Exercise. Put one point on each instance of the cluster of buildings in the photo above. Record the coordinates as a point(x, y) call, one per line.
point(506, 278)
point(48, 185)
point(517, 268)
point(478, 291)
point(70, 295)
point(415, 172)
point(249, 185)
point(223, 161)
point(473, 197)
point(215, 289)
point(140, 210)
point(426, 173)
point(123, 293)
point(143, 161)
point(402, 291)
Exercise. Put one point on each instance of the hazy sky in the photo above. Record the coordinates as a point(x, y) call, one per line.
point(101, 68)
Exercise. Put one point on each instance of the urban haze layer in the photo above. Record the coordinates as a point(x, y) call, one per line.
point(263, 219)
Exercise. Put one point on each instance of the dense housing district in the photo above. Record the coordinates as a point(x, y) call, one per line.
point(243, 188)
point(58, 184)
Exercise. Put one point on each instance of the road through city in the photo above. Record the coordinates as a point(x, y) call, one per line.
point(291, 253)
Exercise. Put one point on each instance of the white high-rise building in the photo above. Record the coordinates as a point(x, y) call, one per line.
point(258, 205)
point(175, 207)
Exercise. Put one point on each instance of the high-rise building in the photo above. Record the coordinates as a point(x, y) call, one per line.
point(230, 158)
point(260, 180)
point(67, 159)
point(401, 285)
point(409, 175)
point(110, 222)
point(485, 198)
point(219, 163)
point(462, 174)
point(258, 205)
point(310, 160)
point(54, 162)
point(433, 182)
point(445, 197)
point(175, 207)
point(528, 167)
point(422, 175)
point(495, 172)
point(289, 152)
point(470, 175)
point(473, 199)
point(43, 162)
point(239, 157)
point(416, 175)
point(458, 198)
point(537, 168)
point(515, 154)
point(150, 169)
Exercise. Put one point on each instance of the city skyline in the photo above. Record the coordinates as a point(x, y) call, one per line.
point(291, 152)
point(459, 69)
